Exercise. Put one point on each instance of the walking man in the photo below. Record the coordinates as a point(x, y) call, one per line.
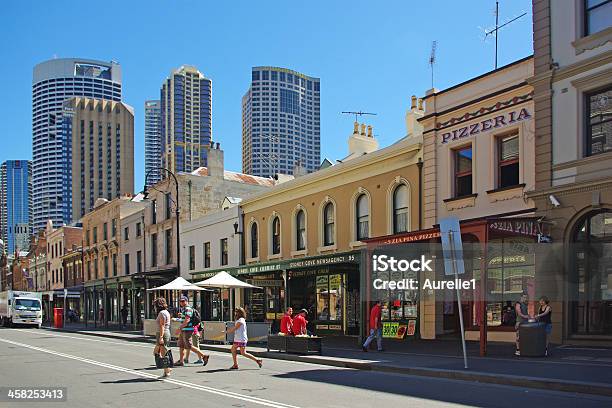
point(185, 333)
point(375, 327)
point(124, 316)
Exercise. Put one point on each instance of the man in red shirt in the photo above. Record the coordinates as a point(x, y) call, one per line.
point(375, 327)
point(300, 322)
point(286, 324)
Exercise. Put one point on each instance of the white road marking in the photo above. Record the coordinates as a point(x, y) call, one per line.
point(216, 353)
point(224, 393)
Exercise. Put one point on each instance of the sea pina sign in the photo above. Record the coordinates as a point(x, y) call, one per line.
point(518, 227)
point(496, 122)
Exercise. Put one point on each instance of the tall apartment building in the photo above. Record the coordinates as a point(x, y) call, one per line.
point(15, 204)
point(281, 122)
point(98, 162)
point(186, 119)
point(152, 131)
point(53, 82)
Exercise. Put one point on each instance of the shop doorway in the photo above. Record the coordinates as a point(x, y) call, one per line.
point(591, 276)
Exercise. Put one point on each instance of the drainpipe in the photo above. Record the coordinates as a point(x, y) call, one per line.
point(189, 186)
point(420, 166)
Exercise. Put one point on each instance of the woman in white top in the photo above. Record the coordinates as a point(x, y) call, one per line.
point(241, 339)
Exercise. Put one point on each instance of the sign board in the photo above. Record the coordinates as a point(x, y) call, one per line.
point(450, 234)
point(411, 327)
point(389, 329)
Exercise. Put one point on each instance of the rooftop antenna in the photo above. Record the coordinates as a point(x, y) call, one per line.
point(432, 60)
point(495, 31)
point(360, 113)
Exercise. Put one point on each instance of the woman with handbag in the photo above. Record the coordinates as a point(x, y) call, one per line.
point(163, 334)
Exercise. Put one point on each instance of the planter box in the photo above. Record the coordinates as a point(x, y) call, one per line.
point(276, 342)
point(304, 345)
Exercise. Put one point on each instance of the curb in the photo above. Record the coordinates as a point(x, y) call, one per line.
point(473, 376)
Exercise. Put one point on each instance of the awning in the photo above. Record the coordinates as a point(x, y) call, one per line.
point(224, 280)
point(178, 284)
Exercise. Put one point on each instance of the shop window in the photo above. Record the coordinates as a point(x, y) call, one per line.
point(463, 171)
point(400, 209)
point(599, 122)
point(328, 224)
point(254, 241)
point(276, 236)
point(139, 261)
point(191, 257)
point(508, 161)
point(224, 251)
point(363, 217)
point(300, 223)
point(207, 255)
point(597, 15)
point(330, 293)
point(510, 273)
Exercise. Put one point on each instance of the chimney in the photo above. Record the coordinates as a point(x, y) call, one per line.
point(413, 127)
point(215, 161)
point(360, 142)
point(298, 169)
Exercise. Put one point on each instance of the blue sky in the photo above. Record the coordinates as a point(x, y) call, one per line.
point(370, 55)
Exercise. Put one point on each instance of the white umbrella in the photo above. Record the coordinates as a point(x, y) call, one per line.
point(224, 280)
point(178, 284)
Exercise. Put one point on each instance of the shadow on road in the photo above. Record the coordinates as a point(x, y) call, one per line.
point(131, 381)
point(458, 392)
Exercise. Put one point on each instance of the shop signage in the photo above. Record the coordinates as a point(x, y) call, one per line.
point(259, 268)
point(266, 282)
point(329, 260)
point(412, 238)
point(389, 329)
point(411, 327)
point(335, 327)
point(519, 227)
point(322, 326)
point(486, 125)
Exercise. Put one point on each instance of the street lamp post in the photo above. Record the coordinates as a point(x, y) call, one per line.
point(177, 212)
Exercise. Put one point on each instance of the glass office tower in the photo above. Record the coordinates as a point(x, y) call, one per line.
point(281, 122)
point(15, 204)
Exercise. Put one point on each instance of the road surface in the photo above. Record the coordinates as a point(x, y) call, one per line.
point(116, 373)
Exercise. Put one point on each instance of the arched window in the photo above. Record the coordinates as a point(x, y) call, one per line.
point(590, 276)
point(400, 209)
point(363, 217)
point(300, 230)
point(328, 224)
point(276, 236)
point(254, 241)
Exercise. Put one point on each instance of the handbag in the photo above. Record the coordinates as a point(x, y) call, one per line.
point(166, 361)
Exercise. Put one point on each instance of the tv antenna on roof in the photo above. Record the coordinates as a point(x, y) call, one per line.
point(432, 60)
point(495, 31)
point(360, 113)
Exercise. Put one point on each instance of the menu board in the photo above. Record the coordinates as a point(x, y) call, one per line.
point(257, 306)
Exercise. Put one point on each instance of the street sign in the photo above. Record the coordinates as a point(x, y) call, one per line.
point(450, 234)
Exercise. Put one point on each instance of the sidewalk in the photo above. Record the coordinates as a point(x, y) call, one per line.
point(570, 369)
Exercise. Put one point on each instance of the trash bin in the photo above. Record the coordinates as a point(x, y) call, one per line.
point(58, 317)
point(532, 338)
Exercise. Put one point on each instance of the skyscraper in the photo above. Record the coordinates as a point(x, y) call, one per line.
point(98, 159)
point(186, 119)
point(53, 82)
point(15, 204)
point(280, 122)
point(152, 131)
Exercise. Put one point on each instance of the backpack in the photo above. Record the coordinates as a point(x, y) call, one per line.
point(195, 318)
